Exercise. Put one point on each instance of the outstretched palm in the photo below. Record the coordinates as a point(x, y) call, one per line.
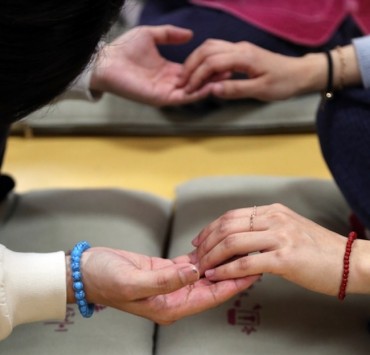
point(132, 67)
point(159, 289)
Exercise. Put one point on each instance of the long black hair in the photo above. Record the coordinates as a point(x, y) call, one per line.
point(44, 46)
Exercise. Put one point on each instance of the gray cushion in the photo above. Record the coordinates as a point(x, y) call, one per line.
point(113, 115)
point(55, 220)
point(274, 316)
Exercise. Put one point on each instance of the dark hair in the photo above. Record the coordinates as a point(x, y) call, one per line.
point(44, 46)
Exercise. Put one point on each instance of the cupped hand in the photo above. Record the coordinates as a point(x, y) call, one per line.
point(270, 76)
point(132, 67)
point(283, 243)
point(159, 289)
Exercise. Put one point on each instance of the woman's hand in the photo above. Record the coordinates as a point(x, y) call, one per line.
point(290, 246)
point(132, 67)
point(159, 289)
point(270, 76)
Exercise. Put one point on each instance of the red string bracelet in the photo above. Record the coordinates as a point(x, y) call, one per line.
point(342, 290)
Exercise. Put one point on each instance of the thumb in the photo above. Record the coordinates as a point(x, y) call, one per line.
point(168, 279)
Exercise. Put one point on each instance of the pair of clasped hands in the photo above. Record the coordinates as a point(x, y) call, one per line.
point(227, 256)
point(132, 67)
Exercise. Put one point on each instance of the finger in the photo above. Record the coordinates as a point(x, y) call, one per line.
point(227, 230)
point(165, 280)
point(240, 89)
point(207, 49)
point(238, 244)
point(214, 78)
point(243, 214)
point(212, 295)
point(203, 296)
point(208, 67)
point(168, 34)
point(185, 98)
point(228, 225)
point(245, 266)
point(206, 231)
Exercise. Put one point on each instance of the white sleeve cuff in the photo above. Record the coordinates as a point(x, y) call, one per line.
point(80, 88)
point(32, 287)
point(362, 47)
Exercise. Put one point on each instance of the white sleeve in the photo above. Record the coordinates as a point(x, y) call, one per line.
point(32, 288)
point(80, 88)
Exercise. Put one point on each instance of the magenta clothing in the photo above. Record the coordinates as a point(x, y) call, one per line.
point(304, 22)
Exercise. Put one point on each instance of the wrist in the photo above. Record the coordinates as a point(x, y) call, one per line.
point(346, 69)
point(313, 66)
point(359, 276)
point(69, 281)
point(97, 86)
point(70, 292)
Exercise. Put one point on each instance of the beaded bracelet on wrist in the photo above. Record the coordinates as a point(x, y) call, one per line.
point(86, 309)
point(345, 274)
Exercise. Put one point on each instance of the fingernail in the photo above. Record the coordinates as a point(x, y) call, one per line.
point(189, 273)
point(210, 273)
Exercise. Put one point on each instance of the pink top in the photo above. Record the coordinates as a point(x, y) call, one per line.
point(303, 22)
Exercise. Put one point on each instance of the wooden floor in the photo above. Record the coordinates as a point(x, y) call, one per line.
point(156, 164)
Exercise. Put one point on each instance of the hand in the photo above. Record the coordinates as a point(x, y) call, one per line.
point(159, 289)
point(132, 67)
point(271, 76)
point(290, 246)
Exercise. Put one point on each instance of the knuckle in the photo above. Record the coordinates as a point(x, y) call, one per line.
point(203, 248)
point(281, 235)
point(224, 226)
point(280, 217)
point(230, 214)
point(206, 231)
point(209, 64)
point(243, 263)
point(282, 259)
point(230, 242)
point(163, 282)
point(210, 41)
point(278, 207)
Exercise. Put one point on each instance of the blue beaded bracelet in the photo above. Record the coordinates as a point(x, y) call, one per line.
point(86, 309)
